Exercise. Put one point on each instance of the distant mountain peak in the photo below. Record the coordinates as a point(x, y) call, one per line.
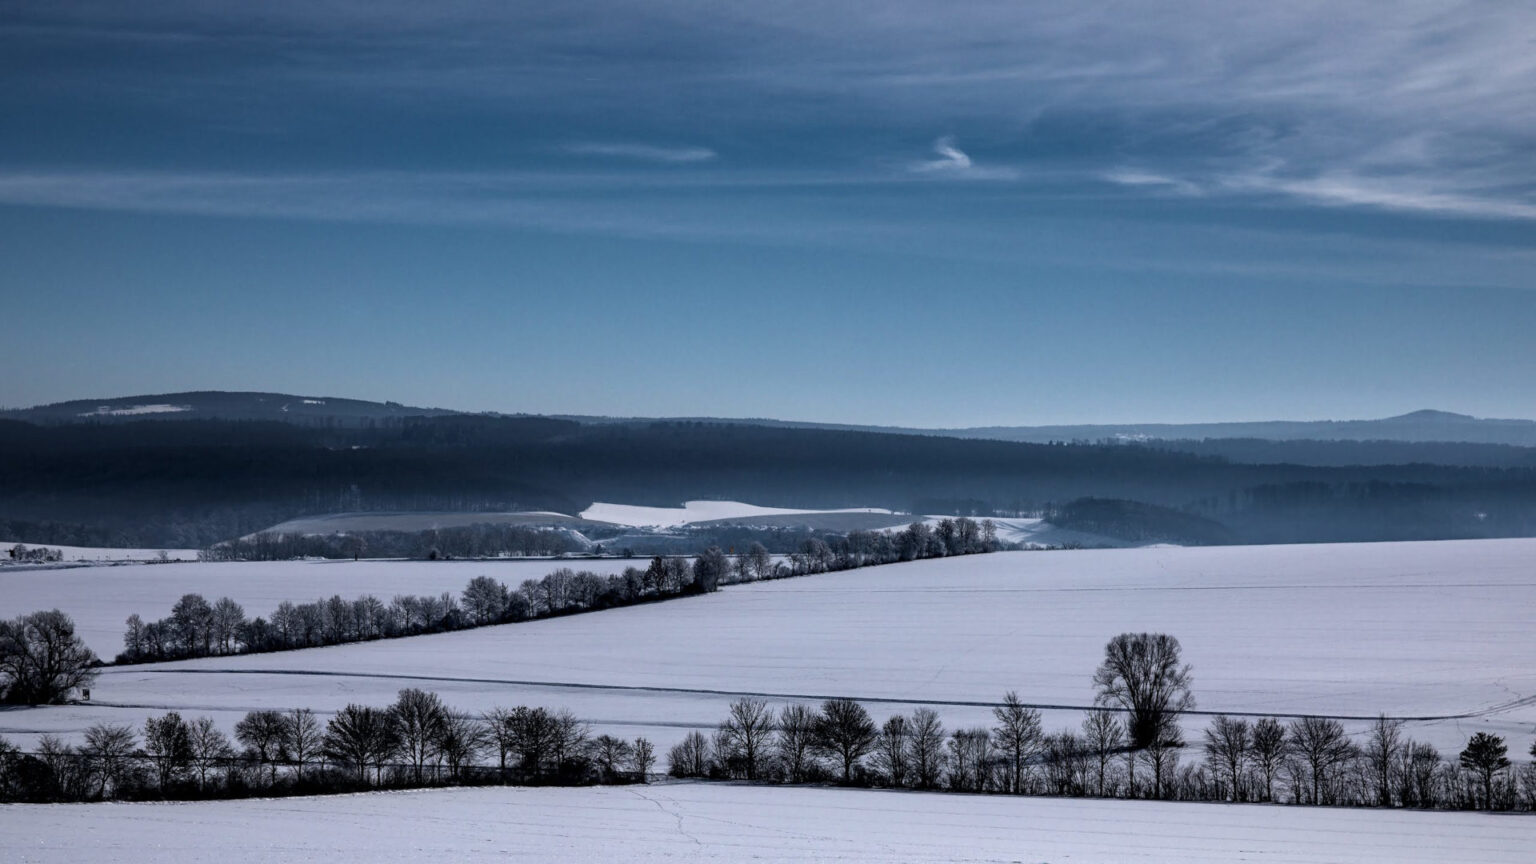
point(1431, 415)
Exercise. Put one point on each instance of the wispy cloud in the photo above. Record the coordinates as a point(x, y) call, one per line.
point(1397, 193)
point(643, 152)
point(954, 162)
point(1147, 179)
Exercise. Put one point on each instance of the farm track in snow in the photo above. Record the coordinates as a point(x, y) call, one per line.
point(800, 697)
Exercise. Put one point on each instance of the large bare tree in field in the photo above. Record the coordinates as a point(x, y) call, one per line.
point(1143, 675)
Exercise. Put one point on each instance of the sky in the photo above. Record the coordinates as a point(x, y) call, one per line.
point(907, 213)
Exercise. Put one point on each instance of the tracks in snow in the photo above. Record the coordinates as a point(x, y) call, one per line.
point(799, 697)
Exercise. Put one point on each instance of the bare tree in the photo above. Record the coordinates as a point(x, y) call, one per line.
point(709, 569)
point(168, 743)
point(643, 759)
point(926, 747)
point(795, 740)
point(1322, 745)
point(567, 737)
point(1104, 737)
point(1064, 756)
point(1420, 766)
point(530, 734)
point(1163, 754)
point(845, 731)
point(228, 618)
point(891, 750)
point(304, 738)
point(691, 757)
point(210, 746)
point(1143, 676)
point(265, 734)
point(611, 754)
point(109, 747)
point(1017, 737)
point(1268, 747)
point(485, 600)
point(362, 737)
point(1227, 744)
point(42, 660)
point(1381, 751)
point(971, 759)
point(419, 718)
point(762, 562)
point(747, 732)
point(460, 741)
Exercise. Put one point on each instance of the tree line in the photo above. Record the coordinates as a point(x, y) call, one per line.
point(417, 741)
point(1131, 745)
point(485, 540)
point(199, 628)
point(1309, 760)
point(1141, 689)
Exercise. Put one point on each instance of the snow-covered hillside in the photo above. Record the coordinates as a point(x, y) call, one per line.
point(694, 823)
point(702, 511)
point(1435, 631)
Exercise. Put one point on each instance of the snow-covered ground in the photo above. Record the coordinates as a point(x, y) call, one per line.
point(100, 599)
point(135, 410)
point(101, 554)
point(695, 823)
point(695, 511)
point(1438, 631)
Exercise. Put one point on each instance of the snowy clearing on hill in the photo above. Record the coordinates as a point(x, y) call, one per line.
point(697, 511)
point(1437, 632)
point(693, 823)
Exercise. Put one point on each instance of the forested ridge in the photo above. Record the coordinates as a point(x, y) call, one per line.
point(196, 482)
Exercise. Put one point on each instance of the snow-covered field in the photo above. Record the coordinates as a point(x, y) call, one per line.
point(697, 511)
point(333, 523)
point(1436, 631)
point(692, 823)
point(100, 599)
point(102, 554)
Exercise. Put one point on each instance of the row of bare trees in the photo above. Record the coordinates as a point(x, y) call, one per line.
point(198, 628)
point(1309, 760)
point(417, 741)
point(1142, 688)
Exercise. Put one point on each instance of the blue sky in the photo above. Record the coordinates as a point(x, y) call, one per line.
point(905, 213)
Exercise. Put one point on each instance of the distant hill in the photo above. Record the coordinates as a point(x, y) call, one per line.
point(1426, 426)
point(136, 481)
point(222, 405)
point(1417, 426)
